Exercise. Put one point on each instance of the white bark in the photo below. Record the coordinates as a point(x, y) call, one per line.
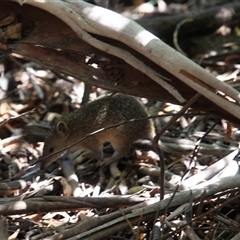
point(85, 18)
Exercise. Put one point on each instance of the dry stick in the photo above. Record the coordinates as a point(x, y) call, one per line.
point(3, 228)
point(91, 228)
point(68, 15)
point(196, 84)
point(188, 230)
point(91, 223)
point(201, 203)
point(146, 49)
point(84, 26)
point(175, 35)
point(196, 149)
point(159, 151)
point(98, 202)
point(236, 237)
point(159, 134)
point(208, 172)
point(20, 115)
point(128, 222)
point(15, 206)
point(146, 42)
point(167, 235)
point(149, 211)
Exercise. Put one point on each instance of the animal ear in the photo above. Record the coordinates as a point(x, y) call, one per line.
point(54, 121)
point(62, 129)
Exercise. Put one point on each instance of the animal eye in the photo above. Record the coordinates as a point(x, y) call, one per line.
point(51, 150)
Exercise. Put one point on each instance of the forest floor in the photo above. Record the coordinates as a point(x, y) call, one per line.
point(82, 200)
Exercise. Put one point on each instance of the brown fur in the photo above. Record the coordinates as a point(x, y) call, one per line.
point(101, 113)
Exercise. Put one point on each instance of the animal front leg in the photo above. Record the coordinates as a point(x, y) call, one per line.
point(116, 156)
point(99, 155)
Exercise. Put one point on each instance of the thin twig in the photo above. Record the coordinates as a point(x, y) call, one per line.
point(20, 115)
point(159, 134)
